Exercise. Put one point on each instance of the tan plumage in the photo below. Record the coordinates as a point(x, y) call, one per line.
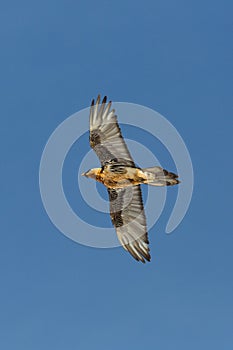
point(122, 179)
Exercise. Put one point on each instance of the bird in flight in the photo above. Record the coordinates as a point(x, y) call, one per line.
point(123, 178)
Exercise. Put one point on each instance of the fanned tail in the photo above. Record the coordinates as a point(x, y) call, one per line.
point(157, 176)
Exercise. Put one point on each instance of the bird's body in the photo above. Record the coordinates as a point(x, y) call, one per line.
point(118, 176)
point(123, 178)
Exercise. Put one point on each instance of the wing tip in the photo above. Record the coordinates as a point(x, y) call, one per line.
point(98, 100)
point(145, 259)
point(138, 253)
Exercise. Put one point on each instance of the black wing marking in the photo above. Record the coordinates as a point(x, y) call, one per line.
point(128, 217)
point(105, 134)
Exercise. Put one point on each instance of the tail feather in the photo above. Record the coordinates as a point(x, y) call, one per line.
point(157, 176)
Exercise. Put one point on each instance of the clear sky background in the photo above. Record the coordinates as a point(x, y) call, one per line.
point(172, 56)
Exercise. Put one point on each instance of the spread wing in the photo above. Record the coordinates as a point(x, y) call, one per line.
point(128, 217)
point(105, 134)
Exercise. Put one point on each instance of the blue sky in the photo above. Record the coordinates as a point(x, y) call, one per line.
point(172, 56)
